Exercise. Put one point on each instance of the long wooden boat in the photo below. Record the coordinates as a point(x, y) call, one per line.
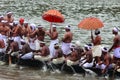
point(62, 67)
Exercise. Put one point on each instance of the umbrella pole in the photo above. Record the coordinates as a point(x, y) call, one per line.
point(51, 30)
point(91, 34)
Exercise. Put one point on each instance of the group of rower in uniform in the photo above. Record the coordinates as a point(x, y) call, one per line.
point(26, 41)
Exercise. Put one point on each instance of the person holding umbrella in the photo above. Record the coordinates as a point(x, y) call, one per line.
point(53, 34)
point(96, 50)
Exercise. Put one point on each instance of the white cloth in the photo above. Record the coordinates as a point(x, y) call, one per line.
point(51, 47)
point(87, 65)
point(58, 60)
point(70, 63)
point(27, 56)
point(18, 40)
point(32, 44)
point(103, 66)
point(96, 50)
point(37, 44)
point(66, 48)
point(117, 52)
point(42, 58)
point(2, 50)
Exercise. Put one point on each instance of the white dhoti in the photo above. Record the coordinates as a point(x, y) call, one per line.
point(87, 65)
point(37, 44)
point(18, 40)
point(5, 38)
point(26, 39)
point(117, 52)
point(58, 60)
point(27, 56)
point(42, 58)
point(32, 44)
point(66, 48)
point(15, 53)
point(2, 50)
point(70, 63)
point(51, 47)
point(103, 66)
point(96, 51)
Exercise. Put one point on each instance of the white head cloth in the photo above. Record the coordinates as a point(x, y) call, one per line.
point(15, 22)
point(88, 47)
point(22, 40)
point(1, 16)
point(68, 27)
point(9, 13)
point(33, 26)
point(54, 26)
point(115, 29)
point(104, 49)
point(3, 21)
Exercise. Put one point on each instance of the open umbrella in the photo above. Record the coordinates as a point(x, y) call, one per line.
point(90, 23)
point(53, 16)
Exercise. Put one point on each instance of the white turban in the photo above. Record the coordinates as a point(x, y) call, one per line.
point(9, 13)
point(104, 49)
point(115, 29)
point(68, 27)
point(33, 26)
point(54, 26)
point(22, 40)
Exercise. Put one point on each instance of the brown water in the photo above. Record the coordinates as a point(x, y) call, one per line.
point(74, 11)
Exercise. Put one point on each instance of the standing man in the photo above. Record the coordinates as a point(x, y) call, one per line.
point(116, 45)
point(39, 35)
point(96, 50)
point(9, 18)
point(66, 40)
point(53, 34)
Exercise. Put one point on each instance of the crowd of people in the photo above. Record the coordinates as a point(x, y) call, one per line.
point(26, 41)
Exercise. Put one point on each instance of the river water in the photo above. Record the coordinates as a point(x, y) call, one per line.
point(108, 11)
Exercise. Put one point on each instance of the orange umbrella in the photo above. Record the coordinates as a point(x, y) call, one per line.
point(90, 23)
point(53, 16)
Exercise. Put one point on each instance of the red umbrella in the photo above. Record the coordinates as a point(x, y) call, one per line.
point(90, 23)
point(53, 16)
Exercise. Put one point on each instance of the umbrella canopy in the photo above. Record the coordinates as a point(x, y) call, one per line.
point(53, 16)
point(90, 23)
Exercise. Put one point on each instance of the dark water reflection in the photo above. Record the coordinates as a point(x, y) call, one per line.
point(74, 11)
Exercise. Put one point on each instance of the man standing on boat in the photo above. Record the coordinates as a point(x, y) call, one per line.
point(53, 34)
point(116, 45)
point(66, 41)
point(9, 18)
point(96, 50)
point(39, 35)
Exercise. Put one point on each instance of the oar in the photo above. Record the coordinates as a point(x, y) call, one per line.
point(10, 61)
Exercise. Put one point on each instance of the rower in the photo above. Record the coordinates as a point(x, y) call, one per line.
point(87, 61)
point(73, 58)
point(59, 57)
point(105, 62)
point(43, 54)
